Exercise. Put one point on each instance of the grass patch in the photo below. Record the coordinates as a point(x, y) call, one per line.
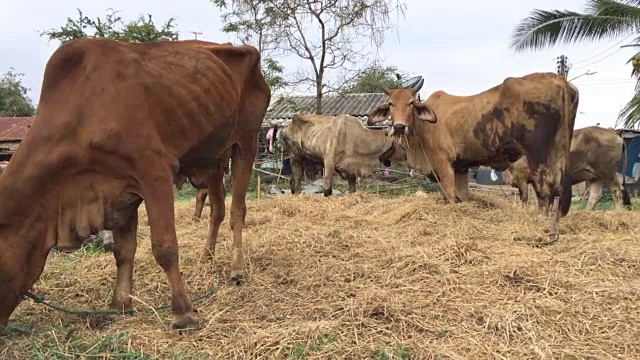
point(63, 343)
point(606, 203)
point(361, 276)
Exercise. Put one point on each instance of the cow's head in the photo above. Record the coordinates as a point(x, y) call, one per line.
point(404, 109)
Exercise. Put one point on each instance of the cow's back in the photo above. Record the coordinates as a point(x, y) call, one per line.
point(474, 127)
point(161, 88)
point(311, 135)
point(595, 153)
point(107, 105)
point(341, 139)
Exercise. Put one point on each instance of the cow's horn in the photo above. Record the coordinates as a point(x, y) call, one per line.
point(386, 89)
point(418, 86)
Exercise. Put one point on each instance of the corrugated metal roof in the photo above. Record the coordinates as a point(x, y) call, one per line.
point(14, 128)
point(358, 105)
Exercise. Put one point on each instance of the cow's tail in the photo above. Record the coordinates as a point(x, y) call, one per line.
point(570, 107)
point(626, 200)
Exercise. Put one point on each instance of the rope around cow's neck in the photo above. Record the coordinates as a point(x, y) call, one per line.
point(433, 170)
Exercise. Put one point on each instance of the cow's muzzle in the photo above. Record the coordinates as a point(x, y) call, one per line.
point(399, 129)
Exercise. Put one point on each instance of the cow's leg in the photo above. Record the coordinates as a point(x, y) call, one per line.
point(107, 239)
point(462, 185)
point(616, 191)
point(542, 186)
point(125, 244)
point(595, 194)
point(329, 169)
point(352, 183)
point(158, 198)
point(215, 186)
point(523, 191)
point(296, 176)
point(201, 197)
point(241, 167)
point(447, 180)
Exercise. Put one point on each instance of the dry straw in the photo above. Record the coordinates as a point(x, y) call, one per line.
point(363, 276)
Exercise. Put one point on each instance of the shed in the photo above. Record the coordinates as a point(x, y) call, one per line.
point(358, 105)
point(12, 131)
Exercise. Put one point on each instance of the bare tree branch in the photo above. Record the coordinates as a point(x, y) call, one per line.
point(329, 34)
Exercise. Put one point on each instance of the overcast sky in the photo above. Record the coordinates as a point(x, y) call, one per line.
point(460, 46)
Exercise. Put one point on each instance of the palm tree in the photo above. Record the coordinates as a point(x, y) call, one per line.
point(602, 19)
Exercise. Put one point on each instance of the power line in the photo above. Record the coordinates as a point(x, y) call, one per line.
point(604, 51)
point(597, 61)
point(583, 53)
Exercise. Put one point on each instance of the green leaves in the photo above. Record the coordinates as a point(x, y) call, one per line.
point(372, 78)
point(13, 96)
point(630, 113)
point(112, 26)
point(602, 19)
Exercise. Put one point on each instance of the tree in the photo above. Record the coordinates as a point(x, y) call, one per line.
point(13, 96)
point(327, 35)
point(250, 22)
point(371, 80)
point(602, 19)
point(142, 29)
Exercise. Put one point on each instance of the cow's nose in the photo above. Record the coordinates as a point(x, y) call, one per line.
point(399, 128)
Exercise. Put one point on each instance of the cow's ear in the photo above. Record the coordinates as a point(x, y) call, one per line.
point(379, 114)
point(425, 113)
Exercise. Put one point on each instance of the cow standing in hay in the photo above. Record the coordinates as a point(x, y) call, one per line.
point(119, 123)
point(449, 134)
point(595, 155)
point(341, 143)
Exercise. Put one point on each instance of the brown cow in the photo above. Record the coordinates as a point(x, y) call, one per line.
point(595, 155)
point(339, 142)
point(117, 124)
point(448, 134)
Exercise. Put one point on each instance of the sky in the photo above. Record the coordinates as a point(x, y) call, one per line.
point(459, 46)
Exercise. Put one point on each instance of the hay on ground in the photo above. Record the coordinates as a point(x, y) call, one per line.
point(364, 276)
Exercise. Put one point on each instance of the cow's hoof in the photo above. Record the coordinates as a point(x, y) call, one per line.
point(109, 247)
point(236, 279)
point(327, 192)
point(195, 218)
point(208, 254)
point(185, 325)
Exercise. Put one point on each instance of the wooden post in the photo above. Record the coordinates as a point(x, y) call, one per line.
point(281, 167)
point(259, 185)
point(553, 220)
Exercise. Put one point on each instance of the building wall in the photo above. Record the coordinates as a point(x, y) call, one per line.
point(7, 148)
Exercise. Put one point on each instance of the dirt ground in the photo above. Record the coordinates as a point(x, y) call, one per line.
point(362, 277)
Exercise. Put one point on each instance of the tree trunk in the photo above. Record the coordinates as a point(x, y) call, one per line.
point(319, 96)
